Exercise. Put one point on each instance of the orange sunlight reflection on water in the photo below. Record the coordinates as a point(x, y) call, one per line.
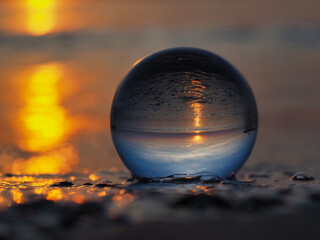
point(44, 125)
point(44, 121)
point(196, 107)
point(194, 88)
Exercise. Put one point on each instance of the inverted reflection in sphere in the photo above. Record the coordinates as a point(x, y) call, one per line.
point(183, 111)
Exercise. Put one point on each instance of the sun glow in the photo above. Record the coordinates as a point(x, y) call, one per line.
point(41, 17)
point(197, 138)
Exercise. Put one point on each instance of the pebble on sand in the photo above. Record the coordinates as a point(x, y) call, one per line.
point(302, 176)
point(62, 184)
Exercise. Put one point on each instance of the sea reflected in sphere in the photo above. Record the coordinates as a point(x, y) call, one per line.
point(183, 111)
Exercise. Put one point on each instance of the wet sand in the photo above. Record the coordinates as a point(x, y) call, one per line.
point(265, 201)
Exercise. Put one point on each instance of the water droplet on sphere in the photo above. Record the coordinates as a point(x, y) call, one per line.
point(183, 111)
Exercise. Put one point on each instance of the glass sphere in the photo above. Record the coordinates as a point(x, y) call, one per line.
point(183, 111)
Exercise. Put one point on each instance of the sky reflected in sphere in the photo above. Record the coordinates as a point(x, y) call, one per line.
point(183, 111)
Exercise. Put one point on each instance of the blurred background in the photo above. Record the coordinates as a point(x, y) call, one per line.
point(62, 60)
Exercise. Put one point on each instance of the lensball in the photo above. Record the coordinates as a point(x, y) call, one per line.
point(183, 111)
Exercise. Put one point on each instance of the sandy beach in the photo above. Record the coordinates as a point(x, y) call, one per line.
point(62, 179)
